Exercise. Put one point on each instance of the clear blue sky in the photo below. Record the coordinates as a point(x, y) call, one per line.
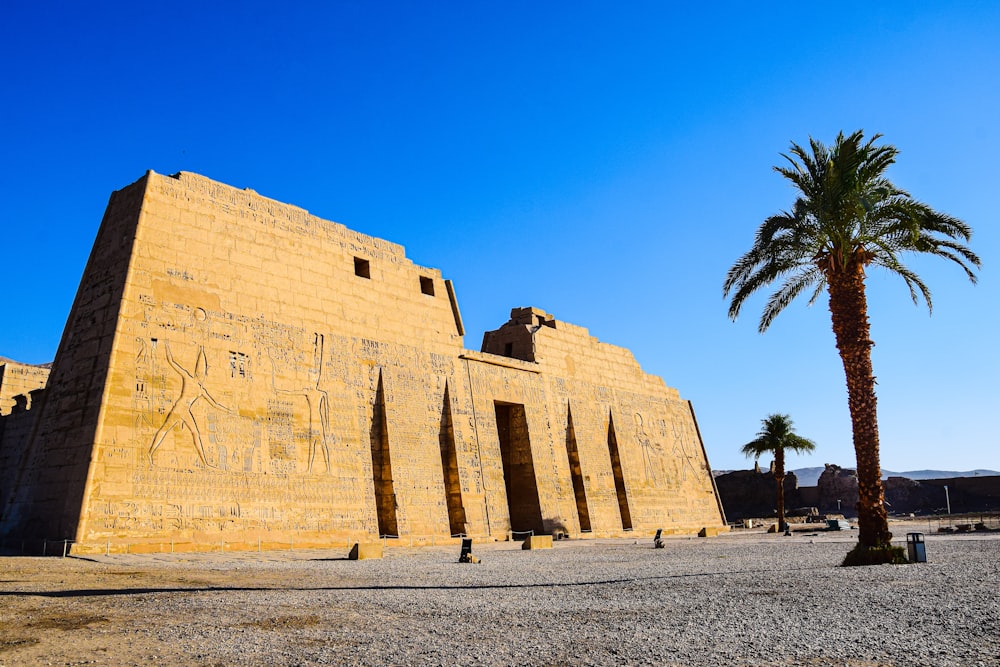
point(606, 162)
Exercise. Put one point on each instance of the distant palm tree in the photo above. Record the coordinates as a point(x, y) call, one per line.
point(848, 216)
point(775, 436)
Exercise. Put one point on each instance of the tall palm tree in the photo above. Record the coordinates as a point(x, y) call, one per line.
point(847, 216)
point(775, 436)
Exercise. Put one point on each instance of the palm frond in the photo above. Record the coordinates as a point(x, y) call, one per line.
point(777, 433)
point(793, 286)
point(847, 211)
point(913, 282)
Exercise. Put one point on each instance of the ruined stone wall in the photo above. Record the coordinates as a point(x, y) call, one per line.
point(19, 380)
point(21, 389)
point(751, 494)
point(15, 433)
point(235, 370)
point(663, 462)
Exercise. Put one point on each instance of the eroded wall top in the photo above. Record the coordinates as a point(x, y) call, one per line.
point(566, 350)
point(18, 379)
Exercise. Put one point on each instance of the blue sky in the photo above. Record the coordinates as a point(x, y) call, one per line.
point(606, 162)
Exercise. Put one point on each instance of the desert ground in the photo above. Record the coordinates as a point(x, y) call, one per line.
point(746, 598)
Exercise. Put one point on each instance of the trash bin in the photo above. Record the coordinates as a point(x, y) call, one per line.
point(916, 551)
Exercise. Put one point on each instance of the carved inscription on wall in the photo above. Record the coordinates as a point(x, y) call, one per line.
point(225, 406)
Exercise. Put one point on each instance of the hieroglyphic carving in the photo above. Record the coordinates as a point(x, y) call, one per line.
point(243, 322)
point(318, 404)
point(652, 451)
point(684, 452)
point(180, 414)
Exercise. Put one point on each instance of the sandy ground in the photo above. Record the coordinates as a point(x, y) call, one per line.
point(740, 599)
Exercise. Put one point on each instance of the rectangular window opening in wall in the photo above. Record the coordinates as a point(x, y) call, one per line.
point(508, 349)
point(362, 267)
point(427, 285)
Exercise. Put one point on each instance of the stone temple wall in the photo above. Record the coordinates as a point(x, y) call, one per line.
point(236, 371)
point(17, 381)
point(22, 387)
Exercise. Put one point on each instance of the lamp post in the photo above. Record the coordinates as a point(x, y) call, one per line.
point(947, 499)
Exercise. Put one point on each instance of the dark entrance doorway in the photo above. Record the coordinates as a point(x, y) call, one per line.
point(518, 468)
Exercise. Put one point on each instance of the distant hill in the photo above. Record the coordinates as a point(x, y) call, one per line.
point(810, 476)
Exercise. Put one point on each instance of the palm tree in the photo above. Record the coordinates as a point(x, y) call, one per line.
point(847, 216)
point(775, 436)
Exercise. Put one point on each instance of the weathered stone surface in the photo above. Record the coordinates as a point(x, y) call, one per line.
point(537, 542)
point(237, 370)
point(838, 484)
point(21, 394)
point(750, 494)
point(927, 496)
point(17, 381)
point(365, 550)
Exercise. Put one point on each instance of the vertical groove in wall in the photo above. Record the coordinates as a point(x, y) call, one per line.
point(265, 312)
point(385, 496)
point(576, 471)
point(449, 466)
point(616, 467)
point(479, 449)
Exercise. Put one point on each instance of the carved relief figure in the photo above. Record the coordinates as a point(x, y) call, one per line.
point(650, 449)
point(683, 460)
point(318, 403)
point(192, 389)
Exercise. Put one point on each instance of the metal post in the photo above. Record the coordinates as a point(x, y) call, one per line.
point(947, 499)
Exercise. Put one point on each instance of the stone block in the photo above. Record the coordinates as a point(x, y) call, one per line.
point(537, 542)
point(365, 550)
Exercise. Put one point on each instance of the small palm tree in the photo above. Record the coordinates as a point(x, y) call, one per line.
point(848, 217)
point(775, 436)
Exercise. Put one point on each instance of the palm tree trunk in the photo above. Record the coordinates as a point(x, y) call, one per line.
point(779, 477)
point(849, 312)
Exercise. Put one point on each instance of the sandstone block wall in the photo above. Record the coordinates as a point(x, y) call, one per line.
point(237, 370)
point(21, 390)
point(19, 380)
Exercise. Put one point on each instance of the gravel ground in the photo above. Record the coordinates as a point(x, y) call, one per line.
point(742, 599)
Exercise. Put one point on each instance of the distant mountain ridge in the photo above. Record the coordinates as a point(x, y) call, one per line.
point(810, 476)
